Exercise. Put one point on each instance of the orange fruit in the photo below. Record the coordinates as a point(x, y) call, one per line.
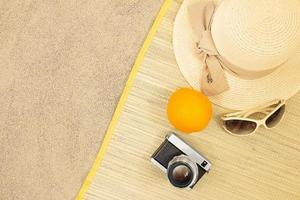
point(189, 110)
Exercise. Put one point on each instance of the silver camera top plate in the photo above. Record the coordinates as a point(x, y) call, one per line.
point(189, 151)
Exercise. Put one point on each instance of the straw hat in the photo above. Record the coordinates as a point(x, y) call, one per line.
point(241, 53)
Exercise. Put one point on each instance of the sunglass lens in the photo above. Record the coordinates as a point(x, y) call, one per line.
point(275, 117)
point(240, 127)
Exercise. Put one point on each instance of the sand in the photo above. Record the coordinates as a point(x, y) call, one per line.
point(63, 66)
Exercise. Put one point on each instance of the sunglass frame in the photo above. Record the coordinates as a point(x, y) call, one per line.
point(232, 116)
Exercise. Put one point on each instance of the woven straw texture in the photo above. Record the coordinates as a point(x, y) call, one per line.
point(283, 83)
point(257, 34)
point(263, 166)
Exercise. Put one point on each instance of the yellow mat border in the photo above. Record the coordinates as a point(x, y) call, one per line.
point(115, 118)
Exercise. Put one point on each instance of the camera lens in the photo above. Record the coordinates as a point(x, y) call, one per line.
point(180, 175)
point(182, 172)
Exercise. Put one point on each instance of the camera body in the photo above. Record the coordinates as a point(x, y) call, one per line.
point(183, 165)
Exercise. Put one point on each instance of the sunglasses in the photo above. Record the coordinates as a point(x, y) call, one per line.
point(247, 122)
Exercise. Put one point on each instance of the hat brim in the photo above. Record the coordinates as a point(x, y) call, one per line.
point(283, 83)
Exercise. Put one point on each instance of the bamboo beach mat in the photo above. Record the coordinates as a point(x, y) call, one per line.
point(263, 166)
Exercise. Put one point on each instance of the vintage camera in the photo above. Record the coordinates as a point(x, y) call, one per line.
point(183, 165)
